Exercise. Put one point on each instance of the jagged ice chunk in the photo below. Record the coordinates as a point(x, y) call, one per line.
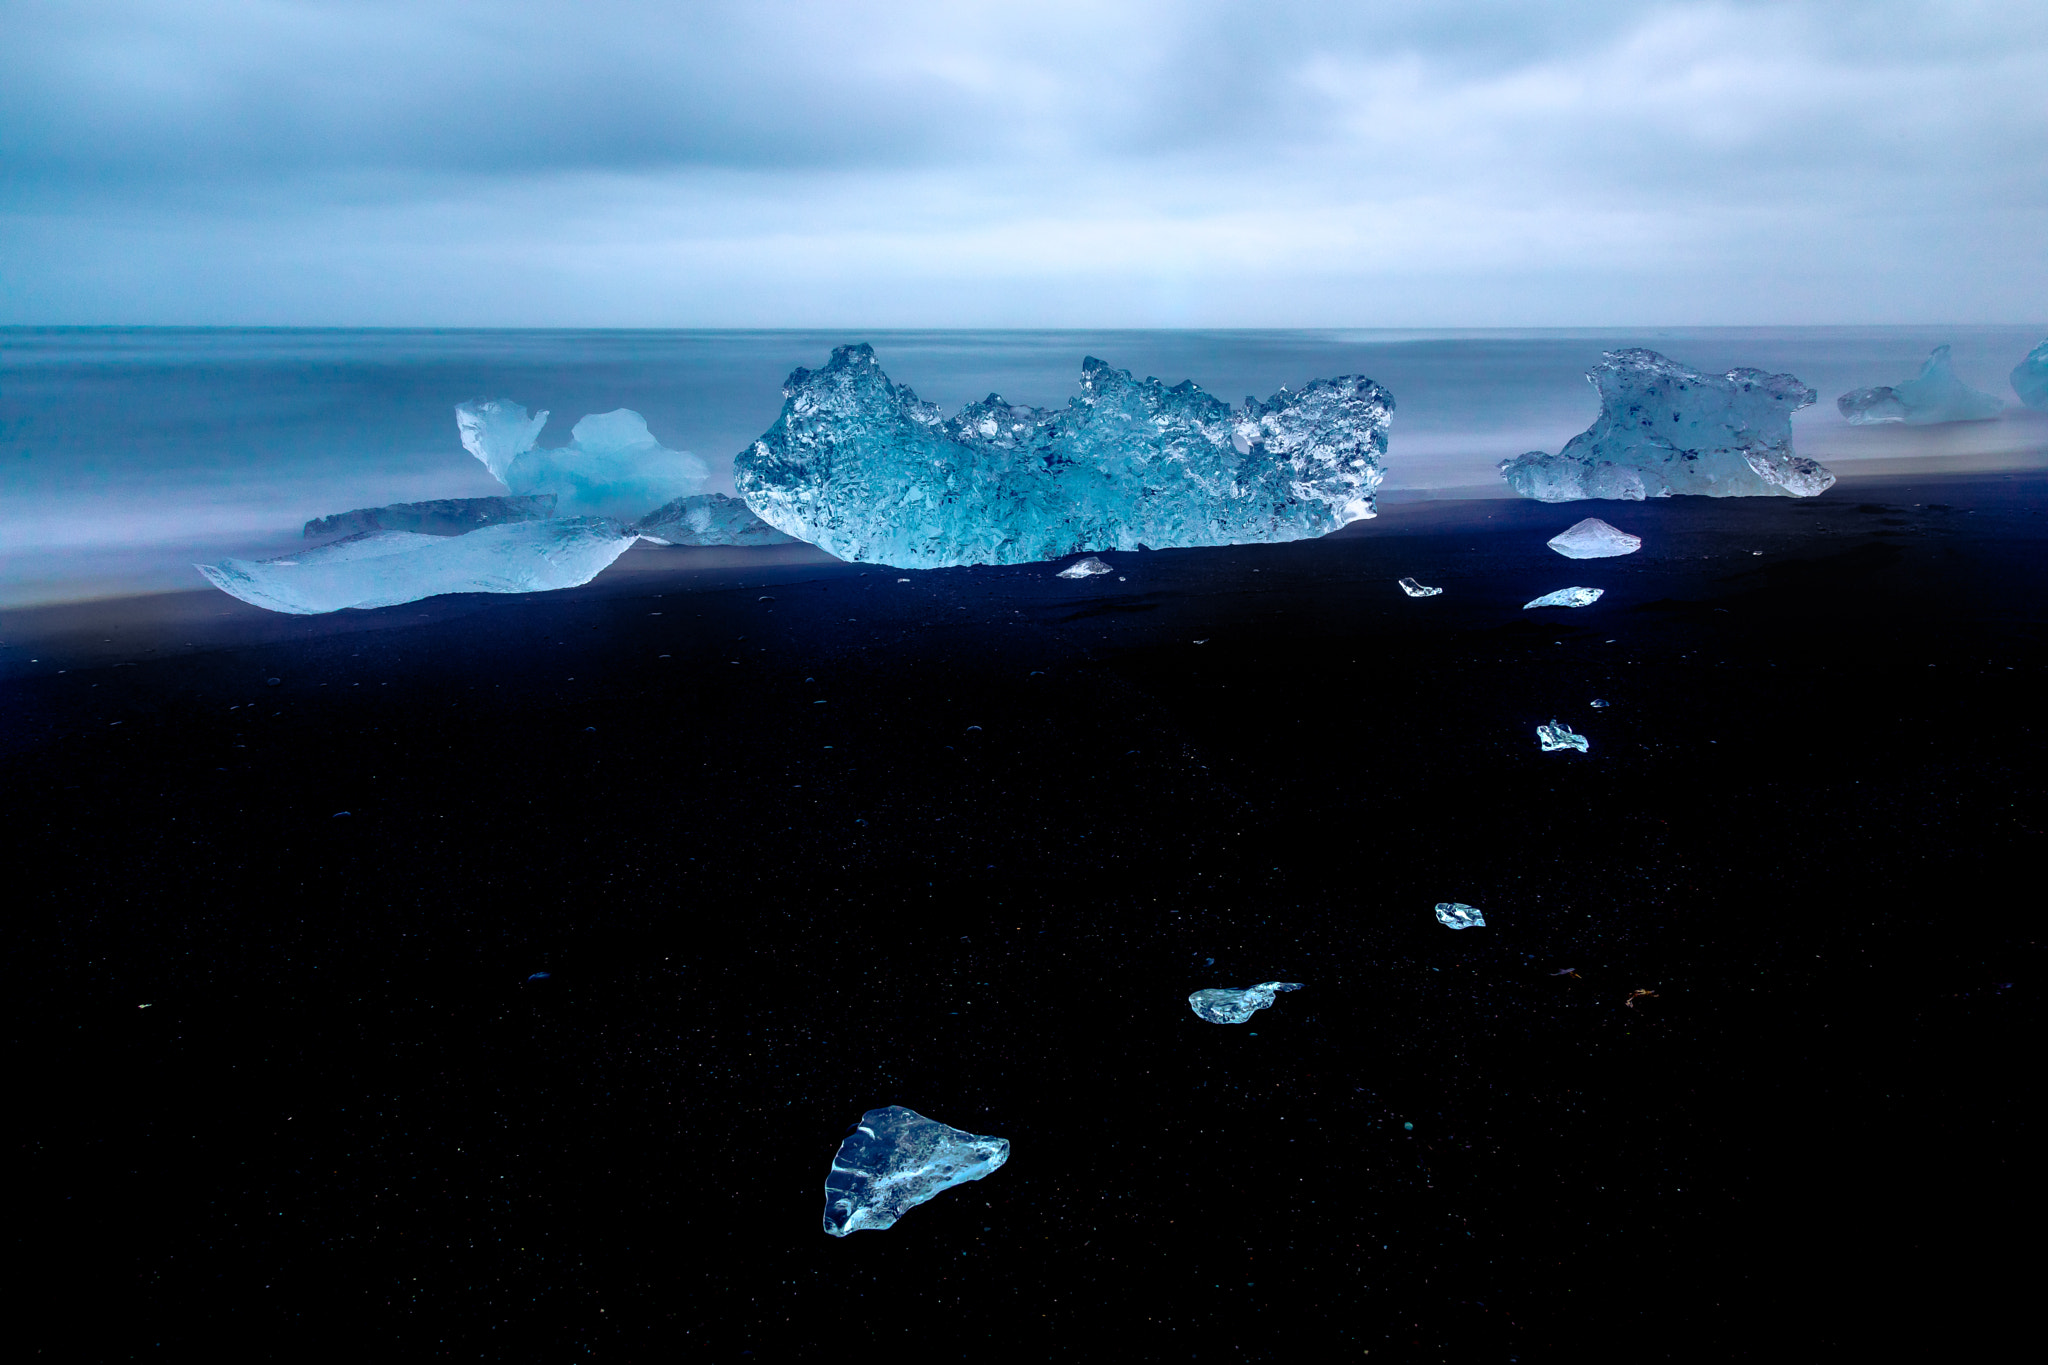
point(1594, 539)
point(1084, 568)
point(1557, 735)
point(861, 467)
point(384, 568)
point(894, 1160)
point(1567, 597)
point(1414, 589)
point(707, 519)
point(2030, 378)
point(442, 517)
point(612, 466)
point(1665, 429)
point(1935, 395)
point(1458, 915)
point(1222, 1005)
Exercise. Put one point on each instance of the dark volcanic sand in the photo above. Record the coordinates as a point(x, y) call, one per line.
point(1809, 824)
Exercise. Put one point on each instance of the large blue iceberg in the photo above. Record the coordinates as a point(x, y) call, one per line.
point(612, 466)
point(861, 467)
point(2030, 378)
point(1665, 429)
point(894, 1160)
point(1935, 395)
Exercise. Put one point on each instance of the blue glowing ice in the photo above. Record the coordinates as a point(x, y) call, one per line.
point(894, 1160)
point(1665, 429)
point(1458, 915)
point(1567, 597)
point(1222, 1005)
point(861, 467)
point(1935, 395)
point(612, 466)
point(1557, 735)
point(2030, 378)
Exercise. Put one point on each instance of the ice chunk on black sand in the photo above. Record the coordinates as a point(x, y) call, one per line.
point(1222, 1005)
point(1594, 539)
point(894, 1160)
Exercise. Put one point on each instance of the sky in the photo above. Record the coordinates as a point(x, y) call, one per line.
point(1456, 163)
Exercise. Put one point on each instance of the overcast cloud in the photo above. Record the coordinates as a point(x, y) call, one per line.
point(1459, 163)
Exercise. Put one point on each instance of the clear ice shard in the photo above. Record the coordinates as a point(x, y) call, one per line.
point(707, 519)
point(612, 466)
point(1222, 1005)
point(1084, 568)
point(860, 467)
point(1458, 915)
point(2030, 378)
point(1935, 395)
point(1567, 597)
point(1414, 589)
point(442, 517)
point(894, 1160)
point(1665, 429)
point(1594, 539)
point(1557, 735)
point(385, 568)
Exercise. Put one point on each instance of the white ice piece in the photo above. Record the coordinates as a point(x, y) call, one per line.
point(1225, 1005)
point(385, 568)
point(1594, 539)
point(1567, 597)
point(894, 1160)
point(1084, 568)
point(1458, 915)
point(1557, 735)
point(1414, 589)
point(1936, 394)
point(612, 466)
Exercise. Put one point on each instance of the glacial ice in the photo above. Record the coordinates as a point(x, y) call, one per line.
point(1665, 429)
point(1414, 589)
point(2030, 378)
point(1594, 539)
point(1567, 597)
point(1557, 735)
point(1084, 568)
point(1458, 915)
point(707, 519)
point(442, 517)
point(1935, 395)
point(894, 1160)
point(384, 568)
point(861, 467)
point(612, 466)
point(1222, 1005)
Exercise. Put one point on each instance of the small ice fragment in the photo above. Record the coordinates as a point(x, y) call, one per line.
point(894, 1160)
point(539, 976)
point(1567, 597)
point(1594, 539)
point(1458, 915)
point(1935, 395)
point(2030, 378)
point(1084, 568)
point(1414, 589)
point(1222, 1005)
point(1600, 702)
point(1557, 735)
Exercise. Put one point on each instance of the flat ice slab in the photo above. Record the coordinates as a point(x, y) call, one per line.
point(1937, 394)
point(1084, 568)
point(1567, 597)
point(1458, 915)
point(612, 466)
point(442, 517)
point(1223, 1005)
point(2030, 378)
point(1557, 735)
point(385, 568)
point(707, 519)
point(1664, 428)
point(894, 1160)
point(1414, 589)
point(860, 467)
point(1594, 539)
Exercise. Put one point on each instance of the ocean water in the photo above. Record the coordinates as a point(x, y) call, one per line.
point(129, 453)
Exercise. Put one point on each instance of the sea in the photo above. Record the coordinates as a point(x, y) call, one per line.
point(129, 454)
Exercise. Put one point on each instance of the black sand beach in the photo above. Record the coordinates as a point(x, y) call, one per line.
point(793, 839)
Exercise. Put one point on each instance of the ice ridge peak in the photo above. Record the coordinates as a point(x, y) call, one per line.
point(1223, 1005)
point(612, 466)
point(894, 1160)
point(2030, 378)
point(863, 468)
point(1936, 394)
point(1665, 428)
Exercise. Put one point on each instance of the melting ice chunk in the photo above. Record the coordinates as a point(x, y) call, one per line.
point(1221, 1005)
point(384, 568)
point(1557, 735)
point(1567, 597)
point(894, 1160)
point(1458, 915)
point(2030, 378)
point(1084, 568)
point(1665, 429)
point(707, 519)
point(860, 467)
point(612, 466)
point(1594, 539)
point(1414, 589)
point(1936, 395)
point(442, 517)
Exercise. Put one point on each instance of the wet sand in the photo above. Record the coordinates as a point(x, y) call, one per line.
point(793, 839)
